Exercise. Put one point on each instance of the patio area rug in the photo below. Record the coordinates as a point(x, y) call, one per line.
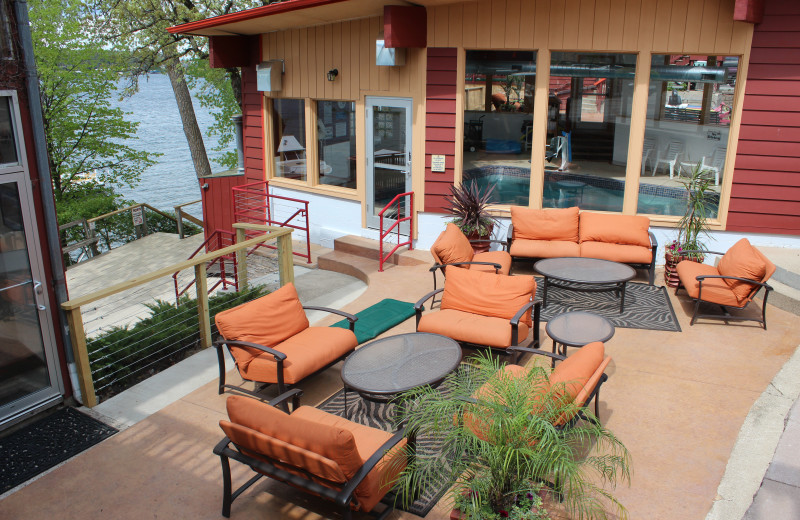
point(646, 306)
point(377, 319)
point(46, 443)
point(380, 415)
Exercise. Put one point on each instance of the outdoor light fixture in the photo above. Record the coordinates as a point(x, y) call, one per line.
point(332, 74)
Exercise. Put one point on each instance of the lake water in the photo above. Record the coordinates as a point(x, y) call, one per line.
point(172, 180)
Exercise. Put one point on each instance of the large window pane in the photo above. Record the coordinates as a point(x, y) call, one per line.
point(290, 138)
point(336, 143)
point(498, 122)
point(688, 118)
point(589, 112)
point(8, 147)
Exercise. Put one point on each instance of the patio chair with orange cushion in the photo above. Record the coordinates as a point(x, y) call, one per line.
point(328, 456)
point(453, 248)
point(734, 283)
point(483, 309)
point(272, 343)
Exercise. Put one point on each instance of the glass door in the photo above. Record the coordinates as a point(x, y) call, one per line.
point(388, 159)
point(29, 374)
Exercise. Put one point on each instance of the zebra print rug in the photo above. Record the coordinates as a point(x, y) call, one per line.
point(381, 416)
point(646, 306)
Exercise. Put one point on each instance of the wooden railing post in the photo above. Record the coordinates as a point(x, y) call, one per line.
point(179, 220)
point(241, 260)
point(203, 318)
point(285, 262)
point(78, 338)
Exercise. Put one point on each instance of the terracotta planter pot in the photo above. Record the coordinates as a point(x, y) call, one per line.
point(483, 246)
point(670, 267)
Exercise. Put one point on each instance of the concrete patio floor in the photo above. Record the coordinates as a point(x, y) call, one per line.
point(676, 400)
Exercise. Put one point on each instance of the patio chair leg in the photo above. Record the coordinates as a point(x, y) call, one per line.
point(696, 309)
point(221, 361)
point(226, 486)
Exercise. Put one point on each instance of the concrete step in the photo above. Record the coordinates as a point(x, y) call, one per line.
point(351, 265)
point(370, 249)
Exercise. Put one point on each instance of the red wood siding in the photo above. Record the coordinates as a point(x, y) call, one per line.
point(440, 135)
point(218, 202)
point(765, 197)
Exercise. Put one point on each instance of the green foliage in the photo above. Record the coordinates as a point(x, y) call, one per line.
point(693, 225)
point(78, 75)
point(118, 355)
point(519, 449)
point(469, 207)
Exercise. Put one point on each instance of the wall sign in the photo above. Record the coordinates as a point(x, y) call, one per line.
point(437, 163)
point(138, 215)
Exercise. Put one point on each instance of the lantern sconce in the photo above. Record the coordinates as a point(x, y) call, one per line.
point(332, 74)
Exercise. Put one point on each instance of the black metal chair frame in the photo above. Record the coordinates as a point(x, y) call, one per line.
point(279, 356)
point(535, 342)
point(650, 268)
point(341, 494)
point(726, 315)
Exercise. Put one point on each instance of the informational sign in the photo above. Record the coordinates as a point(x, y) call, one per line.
point(437, 163)
point(138, 215)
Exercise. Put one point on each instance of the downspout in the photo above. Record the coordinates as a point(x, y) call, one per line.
point(237, 125)
point(45, 184)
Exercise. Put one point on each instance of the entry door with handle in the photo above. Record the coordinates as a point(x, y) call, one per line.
point(388, 159)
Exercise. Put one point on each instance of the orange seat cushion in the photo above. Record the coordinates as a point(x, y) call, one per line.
point(626, 254)
point(306, 352)
point(544, 248)
point(474, 421)
point(471, 328)
point(495, 257)
point(452, 246)
point(714, 290)
point(743, 261)
point(614, 229)
point(487, 294)
point(545, 224)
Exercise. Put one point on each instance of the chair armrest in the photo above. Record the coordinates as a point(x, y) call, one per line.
point(279, 356)
point(748, 280)
point(518, 315)
point(703, 251)
point(510, 234)
point(537, 352)
point(418, 305)
point(294, 393)
point(346, 494)
point(653, 241)
point(352, 318)
point(441, 266)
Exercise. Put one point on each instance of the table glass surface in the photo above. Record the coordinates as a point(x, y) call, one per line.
point(399, 363)
point(584, 270)
point(579, 328)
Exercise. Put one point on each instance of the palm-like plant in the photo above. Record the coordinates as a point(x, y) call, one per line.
point(693, 225)
point(519, 449)
point(469, 206)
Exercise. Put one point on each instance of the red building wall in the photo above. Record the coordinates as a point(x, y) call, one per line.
point(440, 123)
point(765, 197)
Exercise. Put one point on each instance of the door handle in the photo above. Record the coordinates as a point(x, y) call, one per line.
point(37, 290)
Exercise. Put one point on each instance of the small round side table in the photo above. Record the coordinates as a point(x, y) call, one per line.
point(576, 329)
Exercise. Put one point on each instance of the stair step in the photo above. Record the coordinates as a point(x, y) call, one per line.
point(370, 249)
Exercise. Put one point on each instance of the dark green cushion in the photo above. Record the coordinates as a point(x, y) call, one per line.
point(379, 318)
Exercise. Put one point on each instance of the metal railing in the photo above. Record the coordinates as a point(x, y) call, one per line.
point(222, 266)
point(397, 224)
point(74, 307)
point(180, 216)
point(254, 204)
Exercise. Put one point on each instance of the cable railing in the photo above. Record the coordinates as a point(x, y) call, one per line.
point(399, 200)
point(122, 333)
point(224, 267)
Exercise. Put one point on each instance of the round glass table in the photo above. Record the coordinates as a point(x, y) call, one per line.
point(576, 329)
point(585, 275)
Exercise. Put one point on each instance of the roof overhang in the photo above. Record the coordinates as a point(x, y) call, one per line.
point(291, 14)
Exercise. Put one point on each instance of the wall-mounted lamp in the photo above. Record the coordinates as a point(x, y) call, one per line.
point(332, 74)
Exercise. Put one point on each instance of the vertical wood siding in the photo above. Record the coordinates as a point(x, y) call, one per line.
point(217, 202)
point(440, 123)
point(766, 184)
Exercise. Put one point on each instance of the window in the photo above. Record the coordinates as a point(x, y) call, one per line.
point(689, 106)
point(8, 146)
point(289, 129)
point(336, 143)
point(498, 122)
point(588, 123)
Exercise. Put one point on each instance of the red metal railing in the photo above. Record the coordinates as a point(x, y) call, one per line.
point(254, 204)
point(217, 240)
point(408, 218)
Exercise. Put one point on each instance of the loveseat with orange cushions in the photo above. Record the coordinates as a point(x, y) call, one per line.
point(272, 343)
point(733, 283)
point(325, 455)
point(568, 232)
point(483, 309)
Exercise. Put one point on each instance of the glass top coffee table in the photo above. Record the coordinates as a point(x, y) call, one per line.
point(585, 275)
point(380, 370)
point(576, 329)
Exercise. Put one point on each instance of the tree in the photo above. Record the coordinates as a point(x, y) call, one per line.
point(86, 136)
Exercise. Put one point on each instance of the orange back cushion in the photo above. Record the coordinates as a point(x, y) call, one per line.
point(545, 224)
point(488, 294)
point(305, 441)
point(743, 261)
point(267, 321)
point(452, 246)
point(575, 371)
point(615, 229)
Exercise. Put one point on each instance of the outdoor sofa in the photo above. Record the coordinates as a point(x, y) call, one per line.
point(568, 232)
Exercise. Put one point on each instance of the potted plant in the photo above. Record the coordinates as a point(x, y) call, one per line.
point(469, 206)
point(499, 473)
point(692, 226)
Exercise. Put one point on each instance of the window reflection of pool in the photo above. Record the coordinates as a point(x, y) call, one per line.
point(563, 190)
